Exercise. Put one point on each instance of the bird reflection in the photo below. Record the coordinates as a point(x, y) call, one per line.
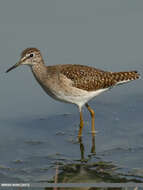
point(82, 148)
point(84, 172)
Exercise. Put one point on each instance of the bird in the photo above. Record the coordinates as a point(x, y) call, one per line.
point(73, 83)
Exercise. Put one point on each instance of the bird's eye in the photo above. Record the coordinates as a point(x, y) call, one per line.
point(31, 55)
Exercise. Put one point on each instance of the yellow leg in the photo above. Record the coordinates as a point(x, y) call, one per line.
point(92, 118)
point(81, 125)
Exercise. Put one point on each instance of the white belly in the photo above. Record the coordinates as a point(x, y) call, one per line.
point(77, 96)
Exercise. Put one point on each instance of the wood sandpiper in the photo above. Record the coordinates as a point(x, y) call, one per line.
point(76, 84)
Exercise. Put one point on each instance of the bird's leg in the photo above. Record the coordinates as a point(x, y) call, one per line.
point(81, 124)
point(92, 113)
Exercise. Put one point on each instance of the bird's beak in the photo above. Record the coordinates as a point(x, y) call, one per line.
point(14, 66)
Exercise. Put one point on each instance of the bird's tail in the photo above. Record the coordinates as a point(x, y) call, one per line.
point(123, 77)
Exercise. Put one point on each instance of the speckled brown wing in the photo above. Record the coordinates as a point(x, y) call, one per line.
point(91, 79)
point(87, 78)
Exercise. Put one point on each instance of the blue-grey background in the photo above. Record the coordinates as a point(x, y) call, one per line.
point(107, 34)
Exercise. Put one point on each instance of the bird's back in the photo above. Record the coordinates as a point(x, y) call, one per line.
point(90, 78)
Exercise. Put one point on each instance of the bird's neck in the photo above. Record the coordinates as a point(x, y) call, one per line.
point(39, 71)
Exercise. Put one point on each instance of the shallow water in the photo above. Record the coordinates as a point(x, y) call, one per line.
point(34, 148)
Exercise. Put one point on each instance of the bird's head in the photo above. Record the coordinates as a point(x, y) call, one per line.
point(29, 56)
